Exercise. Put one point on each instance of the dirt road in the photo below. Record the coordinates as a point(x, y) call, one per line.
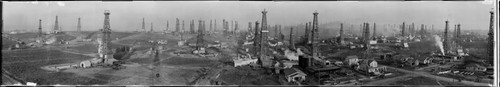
point(425, 74)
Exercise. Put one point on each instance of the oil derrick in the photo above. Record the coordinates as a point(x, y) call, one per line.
point(56, 26)
point(211, 27)
point(306, 35)
point(143, 24)
point(224, 25)
point(309, 37)
point(191, 27)
point(227, 27)
point(374, 30)
point(151, 31)
point(166, 29)
point(292, 42)
point(256, 39)
point(412, 29)
point(458, 33)
point(351, 28)
point(236, 26)
point(341, 34)
point(263, 40)
point(215, 25)
point(367, 35)
point(315, 36)
point(183, 29)
point(199, 40)
point(104, 51)
point(249, 26)
point(40, 34)
point(281, 35)
point(490, 35)
point(276, 31)
point(445, 43)
point(363, 26)
point(79, 26)
point(177, 27)
point(422, 31)
point(403, 32)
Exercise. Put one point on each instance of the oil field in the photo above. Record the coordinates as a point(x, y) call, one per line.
point(262, 44)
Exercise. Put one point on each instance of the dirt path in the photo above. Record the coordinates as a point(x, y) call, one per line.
point(388, 80)
point(425, 74)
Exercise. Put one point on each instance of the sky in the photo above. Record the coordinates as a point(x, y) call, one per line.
point(127, 16)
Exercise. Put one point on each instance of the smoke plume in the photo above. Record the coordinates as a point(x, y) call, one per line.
point(439, 43)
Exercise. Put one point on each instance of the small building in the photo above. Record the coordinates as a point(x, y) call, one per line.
point(85, 64)
point(475, 67)
point(371, 66)
point(109, 60)
point(294, 75)
point(291, 55)
point(243, 61)
point(351, 60)
point(289, 64)
point(181, 43)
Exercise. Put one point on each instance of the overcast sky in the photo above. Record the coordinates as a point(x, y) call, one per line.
point(127, 16)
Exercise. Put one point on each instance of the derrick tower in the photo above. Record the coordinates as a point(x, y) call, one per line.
point(40, 28)
point(263, 40)
point(104, 51)
point(143, 25)
point(56, 26)
point(315, 36)
point(79, 27)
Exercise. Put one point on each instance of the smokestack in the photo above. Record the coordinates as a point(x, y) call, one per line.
point(167, 26)
point(445, 44)
point(151, 28)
